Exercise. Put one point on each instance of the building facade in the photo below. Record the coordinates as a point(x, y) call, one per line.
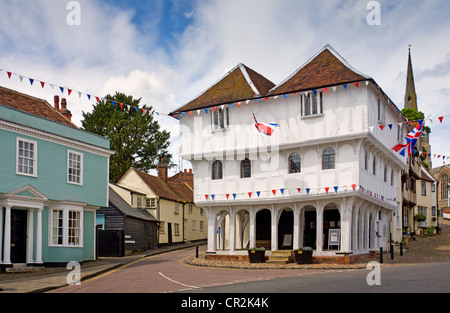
point(169, 200)
point(326, 178)
point(54, 178)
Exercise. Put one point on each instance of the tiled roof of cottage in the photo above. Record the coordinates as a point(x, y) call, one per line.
point(116, 201)
point(240, 84)
point(32, 105)
point(327, 68)
point(175, 191)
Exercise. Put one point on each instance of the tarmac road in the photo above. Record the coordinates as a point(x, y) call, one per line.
point(165, 273)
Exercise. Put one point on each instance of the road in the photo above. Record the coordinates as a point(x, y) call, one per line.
point(166, 274)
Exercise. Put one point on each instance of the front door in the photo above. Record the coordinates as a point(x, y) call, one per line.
point(18, 236)
point(169, 230)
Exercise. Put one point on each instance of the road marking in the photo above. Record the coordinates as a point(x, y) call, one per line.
point(177, 282)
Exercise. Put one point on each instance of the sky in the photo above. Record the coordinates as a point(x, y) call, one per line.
point(168, 51)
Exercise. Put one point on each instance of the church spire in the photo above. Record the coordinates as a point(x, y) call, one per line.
point(410, 95)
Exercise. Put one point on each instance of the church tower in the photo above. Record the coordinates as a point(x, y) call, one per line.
point(411, 103)
point(410, 94)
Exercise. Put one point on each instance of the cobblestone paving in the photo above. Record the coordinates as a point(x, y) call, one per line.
point(424, 249)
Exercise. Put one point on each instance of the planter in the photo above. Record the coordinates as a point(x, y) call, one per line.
point(257, 256)
point(303, 257)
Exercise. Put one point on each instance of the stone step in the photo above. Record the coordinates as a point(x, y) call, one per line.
point(22, 268)
point(280, 257)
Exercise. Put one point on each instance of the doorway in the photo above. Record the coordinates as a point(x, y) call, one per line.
point(18, 236)
point(169, 234)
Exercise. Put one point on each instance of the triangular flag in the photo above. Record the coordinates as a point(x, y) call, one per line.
point(190, 113)
point(299, 189)
point(213, 196)
point(97, 98)
point(357, 85)
point(441, 118)
point(121, 105)
point(69, 91)
point(228, 195)
point(354, 186)
point(62, 89)
point(214, 109)
point(315, 91)
point(325, 90)
point(9, 75)
point(234, 196)
point(206, 110)
point(307, 190)
point(113, 103)
point(335, 188)
point(285, 96)
point(326, 189)
point(345, 87)
point(249, 194)
point(42, 84)
point(89, 96)
point(21, 78)
point(334, 88)
point(282, 190)
point(381, 127)
point(79, 94)
point(274, 191)
point(258, 193)
point(31, 81)
point(206, 196)
point(390, 126)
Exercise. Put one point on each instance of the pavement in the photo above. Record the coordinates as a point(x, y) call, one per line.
point(48, 279)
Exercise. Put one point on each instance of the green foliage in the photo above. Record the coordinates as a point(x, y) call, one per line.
point(135, 137)
point(420, 217)
point(413, 115)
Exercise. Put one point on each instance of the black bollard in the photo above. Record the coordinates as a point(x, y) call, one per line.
point(381, 255)
point(392, 252)
point(196, 251)
point(401, 248)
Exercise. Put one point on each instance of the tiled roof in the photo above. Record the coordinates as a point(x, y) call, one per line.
point(32, 105)
point(175, 191)
point(116, 201)
point(326, 68)
point(241, 83)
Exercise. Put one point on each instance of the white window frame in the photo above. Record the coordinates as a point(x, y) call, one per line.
point(220, 119)
point(69, 152)
point(34, 159)
point(307, 101)
point(65, 227)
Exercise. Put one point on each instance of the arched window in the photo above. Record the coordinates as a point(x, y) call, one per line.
point(366, 161)
point(374, 166)
point(246, 168)
point(217, 172)
point(328, 159)
point(294, 163)
point(444, 186)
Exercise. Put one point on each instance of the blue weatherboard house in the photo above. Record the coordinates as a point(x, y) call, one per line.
point(53, 178)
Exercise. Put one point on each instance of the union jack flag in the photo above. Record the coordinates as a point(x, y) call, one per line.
point(265, 128)
point(411, 140)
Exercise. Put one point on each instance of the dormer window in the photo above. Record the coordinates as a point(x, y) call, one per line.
point(311, 103)
point(220, 118)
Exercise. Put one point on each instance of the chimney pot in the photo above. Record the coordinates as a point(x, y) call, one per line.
point(190, 171)
point(162, 171)
point(64, 111)
point(56, 101)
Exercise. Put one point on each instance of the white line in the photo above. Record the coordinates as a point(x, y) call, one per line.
point(174, 281)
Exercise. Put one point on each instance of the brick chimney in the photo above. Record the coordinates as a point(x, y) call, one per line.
point(64, 111)
point(162, 171)
point(56, 103)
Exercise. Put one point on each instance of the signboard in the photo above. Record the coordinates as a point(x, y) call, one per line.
point(287, 241)
point(334, 238)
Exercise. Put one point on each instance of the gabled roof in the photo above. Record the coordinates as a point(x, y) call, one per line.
point(121, 205)
point(327, 68)
point(175, 191)
point(32, 105)
point(240, 84)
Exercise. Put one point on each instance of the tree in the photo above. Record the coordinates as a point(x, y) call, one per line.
point(413, 115)
point(135, 136)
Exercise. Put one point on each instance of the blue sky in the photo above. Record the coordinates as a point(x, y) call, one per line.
point(168, 51)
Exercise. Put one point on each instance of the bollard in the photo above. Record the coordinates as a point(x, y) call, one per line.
point(381, 255)
point(196, 251)
point(392, 252)
point(401, 248)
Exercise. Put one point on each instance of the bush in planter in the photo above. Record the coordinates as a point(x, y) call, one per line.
point(257, 255)
point(420, 217)
point(303, 255)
